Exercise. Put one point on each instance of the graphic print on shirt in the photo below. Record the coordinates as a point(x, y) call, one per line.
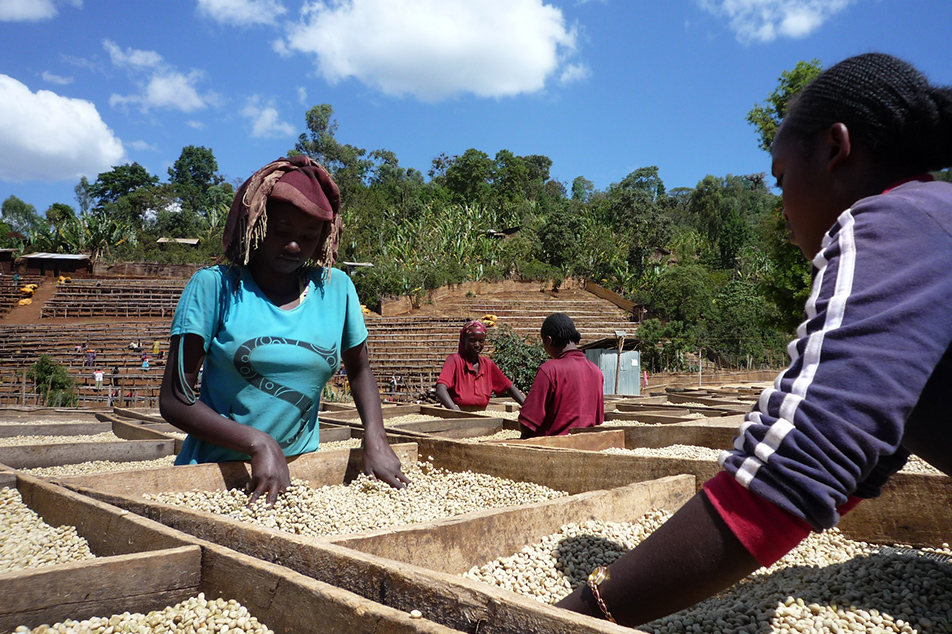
point(301, 401)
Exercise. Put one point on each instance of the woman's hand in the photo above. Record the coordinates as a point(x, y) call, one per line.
point(269, 471)
point(381, 462)
point(379, 459)
point(180, 406)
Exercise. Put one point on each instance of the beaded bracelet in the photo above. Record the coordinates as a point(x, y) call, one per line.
point(599, 575)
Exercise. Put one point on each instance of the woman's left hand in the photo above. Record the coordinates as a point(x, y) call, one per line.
point(382, 463)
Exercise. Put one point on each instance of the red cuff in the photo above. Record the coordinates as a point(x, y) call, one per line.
point(767, 531)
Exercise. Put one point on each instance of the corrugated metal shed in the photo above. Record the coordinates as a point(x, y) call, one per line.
point(604, 354)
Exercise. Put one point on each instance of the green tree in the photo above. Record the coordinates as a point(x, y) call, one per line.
point(539, 167)
point(96, 233)
point(20, 216)
point(346, 163)
point(582, 189)
point(518, 358)
point(510, 176)
point(120, 181)
point(83, 194)
point(59, 212)
point(194, 173)
point(787, 286)
point(52, 381)
point(766, 117)
point(468, 176)
point(684, 293)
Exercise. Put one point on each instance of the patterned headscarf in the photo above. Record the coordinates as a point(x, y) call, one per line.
point(298, 180)
point(471, 327)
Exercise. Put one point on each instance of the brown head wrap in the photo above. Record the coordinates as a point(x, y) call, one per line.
point(297, 180)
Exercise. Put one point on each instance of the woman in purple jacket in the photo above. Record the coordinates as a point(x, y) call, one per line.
point(868, 379)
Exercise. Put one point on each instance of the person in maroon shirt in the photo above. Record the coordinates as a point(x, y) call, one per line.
point(567, 390)
point(469, 379)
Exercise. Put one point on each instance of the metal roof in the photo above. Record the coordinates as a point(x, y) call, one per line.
point(54, 256)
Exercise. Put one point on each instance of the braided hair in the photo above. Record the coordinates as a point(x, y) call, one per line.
point(561, 328)
point(888, 105)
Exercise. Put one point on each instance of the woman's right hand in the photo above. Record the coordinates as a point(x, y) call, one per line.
point(270, 475)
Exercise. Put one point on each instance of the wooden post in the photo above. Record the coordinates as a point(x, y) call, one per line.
point(699, 352)
point(621, 345)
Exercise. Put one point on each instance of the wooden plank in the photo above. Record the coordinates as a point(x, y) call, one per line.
point(597, 439)
point(136, 414)
point(32, 456)
point(53, 429)
point(320, 468)
point(615, 298)
point(454, 427)
point(457, 544)
point(287, 601)
point(107, 607)
point(71, 586)
point(7, 478)
point(337, 434)
point(147, 431)
point(109, 531)
point(656, 436)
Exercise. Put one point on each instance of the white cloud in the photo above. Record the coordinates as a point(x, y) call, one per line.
point(46, 137)
point(433, 49)
point(31, 10)
point(574, 72)
point(195, 125)
point(242, 12)
point(265, 121)
point(142, 146)
point(162, 86)
point(302, 95)
point(766, 20)
point(57, 79)
point(135, 58)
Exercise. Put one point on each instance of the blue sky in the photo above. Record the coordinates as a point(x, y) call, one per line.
point(602, 87)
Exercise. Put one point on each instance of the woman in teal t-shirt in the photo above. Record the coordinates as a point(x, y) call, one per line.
point(268, 330)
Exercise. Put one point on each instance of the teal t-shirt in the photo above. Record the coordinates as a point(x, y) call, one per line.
point(264, 366)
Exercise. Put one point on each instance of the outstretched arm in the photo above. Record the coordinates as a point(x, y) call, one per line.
point(689, 558)
point(517, 395)
point(379, 458)
point(443, 393)
point(269, 467)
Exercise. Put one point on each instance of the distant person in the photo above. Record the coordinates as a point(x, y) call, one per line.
point(145, 362)
point(567, 390)
point(133, 345)
point(115, 369)
point(98, 376)
point(90, 358)
point(469, 379)
point(155, 347)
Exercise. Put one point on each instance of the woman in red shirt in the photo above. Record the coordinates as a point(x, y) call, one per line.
point(468, 380)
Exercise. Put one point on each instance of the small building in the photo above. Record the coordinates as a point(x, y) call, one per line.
point(605, 354)
point(192, 242)
point(6, 260)
point(54, 264)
